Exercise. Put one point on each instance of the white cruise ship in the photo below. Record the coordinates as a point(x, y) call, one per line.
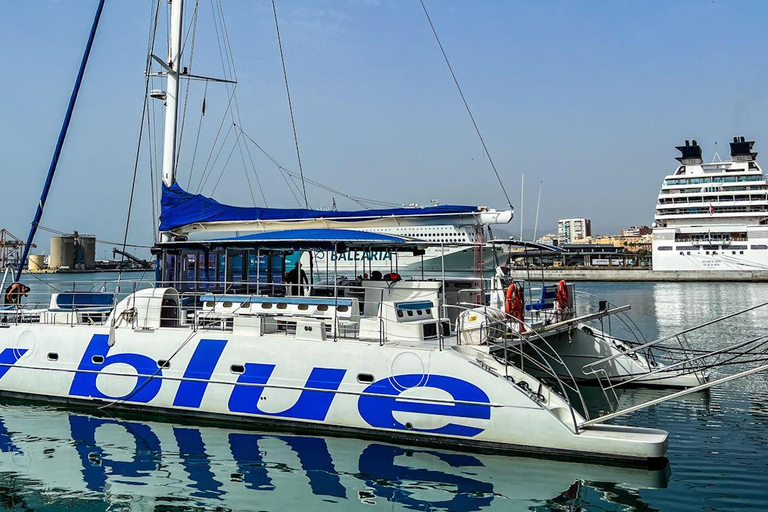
point(712, 216)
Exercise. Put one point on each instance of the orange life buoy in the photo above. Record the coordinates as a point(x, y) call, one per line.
point(562, 296)
point(509, 299)
point(514, 303)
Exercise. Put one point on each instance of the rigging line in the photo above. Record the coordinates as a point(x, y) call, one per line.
point(193, 30)
point(247, 177)
point(282, 169)
point(197, 139)
point(290, 105)
point(358, 200)
point(218, 134)
point(208, 171)
point(148, 67)
point(255, 174)
point(466, 105)
point(99, 240)
point(190, 31)
point(225, 166)
point(228, 42)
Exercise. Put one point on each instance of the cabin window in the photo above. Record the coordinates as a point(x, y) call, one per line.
point(665, 248)
point(759, 247)
point(163, 363)
point(364, 378)
point(53, 356)
point(97, 359)
point(237, 368)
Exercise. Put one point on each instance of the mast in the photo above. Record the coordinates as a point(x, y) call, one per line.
point(172, 93)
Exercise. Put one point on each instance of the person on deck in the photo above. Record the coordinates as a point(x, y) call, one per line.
point(295, 279)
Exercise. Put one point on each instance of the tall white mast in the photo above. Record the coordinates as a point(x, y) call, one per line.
point(172, 93)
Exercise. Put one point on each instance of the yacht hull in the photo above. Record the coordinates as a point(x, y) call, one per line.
point(458, 398)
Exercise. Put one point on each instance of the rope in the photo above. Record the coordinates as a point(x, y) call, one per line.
point(148, 66)
point(290, 105)
point(466, 105)
point(359, 200)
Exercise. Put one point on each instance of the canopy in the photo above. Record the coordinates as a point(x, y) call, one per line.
point(298, 239)
point(180, 208)
point(316, 235)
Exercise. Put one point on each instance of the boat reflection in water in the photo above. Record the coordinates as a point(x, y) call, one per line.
point(54, 457)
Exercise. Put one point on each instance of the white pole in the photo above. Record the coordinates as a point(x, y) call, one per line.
point(522, 192)
point(536, 223)
point(172, 93)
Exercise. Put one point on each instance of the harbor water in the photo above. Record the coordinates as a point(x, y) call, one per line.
point(86, 459)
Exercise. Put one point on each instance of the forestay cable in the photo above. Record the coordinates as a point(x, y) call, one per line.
point(290, 105)
point(466, 105)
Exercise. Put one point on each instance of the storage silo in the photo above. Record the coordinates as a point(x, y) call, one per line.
point(36, 262)
point(88, 246)
point(62, 252)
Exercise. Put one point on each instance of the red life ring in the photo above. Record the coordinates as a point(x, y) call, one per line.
point(562, 296)
point(514, 303)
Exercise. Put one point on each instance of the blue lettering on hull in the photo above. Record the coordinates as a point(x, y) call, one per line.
point(311, 405)
point(84, 383)
point(377, 405)
point(378, 410)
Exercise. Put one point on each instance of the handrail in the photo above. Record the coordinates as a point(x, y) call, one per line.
point(684, 331)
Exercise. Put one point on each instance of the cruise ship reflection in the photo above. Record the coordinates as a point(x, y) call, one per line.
point(49, 454)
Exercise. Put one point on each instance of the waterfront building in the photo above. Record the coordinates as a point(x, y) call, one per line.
point(572, 230)
point(636, 231)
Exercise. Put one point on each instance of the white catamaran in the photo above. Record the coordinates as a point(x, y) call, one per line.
point(226, 333)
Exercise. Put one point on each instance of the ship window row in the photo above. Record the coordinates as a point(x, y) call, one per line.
point(715, 210)
point(704, 199)
point(714, 189)
point(714, 247)
point(713, 179)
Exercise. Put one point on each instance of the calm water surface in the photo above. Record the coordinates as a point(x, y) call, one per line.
point(54, 459)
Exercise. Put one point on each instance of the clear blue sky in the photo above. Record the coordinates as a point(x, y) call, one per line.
point(588, 97)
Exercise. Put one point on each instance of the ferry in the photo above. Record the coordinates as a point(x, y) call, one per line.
point(712, 216)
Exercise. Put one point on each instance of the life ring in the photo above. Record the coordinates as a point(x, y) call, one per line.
point(562, 296)
point(14, 293)
point(514, 305)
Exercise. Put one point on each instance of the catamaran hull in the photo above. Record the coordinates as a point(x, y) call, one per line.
point(422, 396)
point(578, 348)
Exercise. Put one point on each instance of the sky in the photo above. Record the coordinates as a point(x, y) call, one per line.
point(586, 98)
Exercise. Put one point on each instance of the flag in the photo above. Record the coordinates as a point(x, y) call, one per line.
point(711, 210)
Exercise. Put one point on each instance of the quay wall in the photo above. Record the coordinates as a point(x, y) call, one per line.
point(630, 275)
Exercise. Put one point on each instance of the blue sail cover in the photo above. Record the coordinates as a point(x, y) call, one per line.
point(180, 208)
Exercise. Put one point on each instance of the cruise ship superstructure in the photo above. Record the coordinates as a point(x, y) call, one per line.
point(712, 216)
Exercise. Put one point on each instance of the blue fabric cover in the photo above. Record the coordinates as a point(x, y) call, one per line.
point(179, 208)
point(315, 235)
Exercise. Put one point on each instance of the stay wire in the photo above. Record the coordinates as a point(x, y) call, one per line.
point(466, 105)
point(148, 67)
point(358, 200)
point(290, 105)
